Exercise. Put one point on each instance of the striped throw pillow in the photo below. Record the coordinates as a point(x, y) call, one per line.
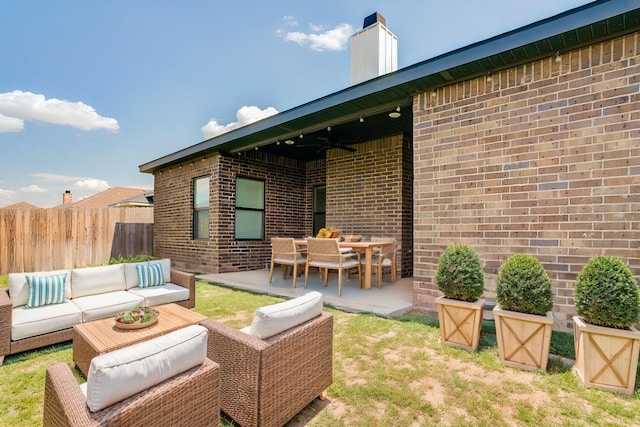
point(44, 290)
point(150, 275)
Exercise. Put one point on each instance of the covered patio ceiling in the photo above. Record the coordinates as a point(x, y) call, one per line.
point(374, 99)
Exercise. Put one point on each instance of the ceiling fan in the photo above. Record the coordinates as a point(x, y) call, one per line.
point(329, 141)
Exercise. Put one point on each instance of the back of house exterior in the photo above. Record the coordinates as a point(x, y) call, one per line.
point(539, 156)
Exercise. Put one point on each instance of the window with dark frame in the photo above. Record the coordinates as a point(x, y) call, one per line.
point(319, 208)
point(201, 208)
point(249, 222)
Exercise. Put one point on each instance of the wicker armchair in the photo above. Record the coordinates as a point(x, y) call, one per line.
point(266, 382)
point(190, 398)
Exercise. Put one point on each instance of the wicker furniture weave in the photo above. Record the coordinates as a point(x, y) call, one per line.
point(285, 252)
point(267, 382)
point(326, 255)
point(191, 398)
point(7, 346)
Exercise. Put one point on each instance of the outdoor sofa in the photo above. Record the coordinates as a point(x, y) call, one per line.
point(43, 317)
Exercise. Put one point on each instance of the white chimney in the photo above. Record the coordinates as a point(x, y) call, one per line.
point(374, 50)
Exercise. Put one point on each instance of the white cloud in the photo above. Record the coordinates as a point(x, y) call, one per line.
point(33, 188)
point(92, 184)
point(6, 197)
point(30, 106)
point(77, 182)
point(335, 39)
point(10, 124)
point(245, 115)
point(290, 21)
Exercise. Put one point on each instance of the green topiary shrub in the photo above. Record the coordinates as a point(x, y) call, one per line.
point(523, 285)
point(606, 294)
point(459, 274)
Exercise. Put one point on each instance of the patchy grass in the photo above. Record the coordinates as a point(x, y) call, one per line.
point(394, 372)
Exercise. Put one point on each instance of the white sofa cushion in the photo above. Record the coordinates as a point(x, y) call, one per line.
point(29, 322)
point(273, 319)
point(97, 280)
point(108, 304)
point(166, 267)
point(19, 288)
point(131, 273)
point(125, 372)
point(157, 295)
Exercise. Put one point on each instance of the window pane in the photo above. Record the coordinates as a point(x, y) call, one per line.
point(249, 193)
point(249, 224)
point(201, 224)
point(201, 193)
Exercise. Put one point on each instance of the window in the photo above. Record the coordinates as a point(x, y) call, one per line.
point(319, 208)
point(249, 209)
point(201, 208)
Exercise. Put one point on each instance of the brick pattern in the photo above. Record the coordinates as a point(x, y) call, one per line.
point(543, 159)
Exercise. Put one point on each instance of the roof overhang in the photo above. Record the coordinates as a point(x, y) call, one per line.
point(374, 99)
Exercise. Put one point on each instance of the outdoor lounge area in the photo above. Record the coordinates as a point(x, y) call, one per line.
point(386, 371)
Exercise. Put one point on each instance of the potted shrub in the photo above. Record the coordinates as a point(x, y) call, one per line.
point(607, 303)
point(459, 277)
point(523, 314)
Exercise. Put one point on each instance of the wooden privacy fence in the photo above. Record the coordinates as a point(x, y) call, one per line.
point(63, 238)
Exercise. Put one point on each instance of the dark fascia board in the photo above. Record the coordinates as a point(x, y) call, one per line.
point(402, 84)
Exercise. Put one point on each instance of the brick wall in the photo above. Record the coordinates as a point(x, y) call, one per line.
point(542, 159)
point(366, 192)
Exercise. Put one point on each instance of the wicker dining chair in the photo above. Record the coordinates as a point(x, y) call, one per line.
point(285, 253)
point(326, 255)
point(384, 257)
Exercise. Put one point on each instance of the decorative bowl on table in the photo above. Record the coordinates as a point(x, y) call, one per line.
point(137, 318)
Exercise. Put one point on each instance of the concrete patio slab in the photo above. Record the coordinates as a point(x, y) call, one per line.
point(393, 299)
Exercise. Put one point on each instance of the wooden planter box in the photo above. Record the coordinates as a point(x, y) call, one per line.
point(460, 322)
point(606, 358)
point(523, 339)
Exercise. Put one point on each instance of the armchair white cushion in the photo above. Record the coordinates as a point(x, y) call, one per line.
point(273, 319)
point(120, 374)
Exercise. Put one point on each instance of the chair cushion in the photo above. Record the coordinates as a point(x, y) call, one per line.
point(44, 290)
point(273, 319)
point(157, 295)
point(150, 275)
point(30, 322)
point(108, 304)
point(97, 280)
point(123, 373)
point(19, 288)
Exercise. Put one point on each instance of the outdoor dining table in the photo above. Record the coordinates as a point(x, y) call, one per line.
point(368, 255)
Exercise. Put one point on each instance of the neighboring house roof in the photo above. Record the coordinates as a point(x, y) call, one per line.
point(373, 99)
point(139, 200)
point(108, 198)
point(20, 205)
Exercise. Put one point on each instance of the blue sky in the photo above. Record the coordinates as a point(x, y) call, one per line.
point(90, 90)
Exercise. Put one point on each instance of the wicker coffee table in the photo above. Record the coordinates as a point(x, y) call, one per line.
point(101, 336)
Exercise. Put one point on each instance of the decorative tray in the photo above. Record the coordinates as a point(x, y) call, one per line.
point(138, 318)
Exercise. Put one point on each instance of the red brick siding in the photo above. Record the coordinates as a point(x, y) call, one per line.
point(543, 159)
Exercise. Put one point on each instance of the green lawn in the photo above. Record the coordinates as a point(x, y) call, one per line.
point(387, 372)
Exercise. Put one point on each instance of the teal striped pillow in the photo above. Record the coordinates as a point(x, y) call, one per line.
point(150, 275)
point(45, 290)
